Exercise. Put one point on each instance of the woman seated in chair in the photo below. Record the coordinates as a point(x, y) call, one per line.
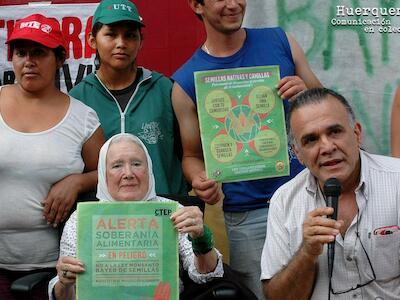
point(125, 174)
point(49, 144)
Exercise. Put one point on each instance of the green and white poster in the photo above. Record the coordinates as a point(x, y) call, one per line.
point(130, 251)
point(242, 123)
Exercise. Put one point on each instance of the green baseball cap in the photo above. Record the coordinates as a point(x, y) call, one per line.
point(111, 11)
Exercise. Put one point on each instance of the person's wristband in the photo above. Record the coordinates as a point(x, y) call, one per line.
point(203, 244)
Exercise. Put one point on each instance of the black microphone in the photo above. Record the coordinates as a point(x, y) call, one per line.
point(332, 189)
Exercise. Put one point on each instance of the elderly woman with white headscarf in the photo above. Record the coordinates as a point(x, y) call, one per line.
point(125, 174)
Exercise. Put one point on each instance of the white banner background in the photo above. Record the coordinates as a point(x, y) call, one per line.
point(73, 19)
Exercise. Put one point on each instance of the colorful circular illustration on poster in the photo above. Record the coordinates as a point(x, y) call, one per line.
point(267, 143)
point(242, 123)
point(262, 99)
point(223, 148)
point(218, 104)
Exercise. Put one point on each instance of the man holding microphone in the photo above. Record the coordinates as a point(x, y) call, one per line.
point(327, 138)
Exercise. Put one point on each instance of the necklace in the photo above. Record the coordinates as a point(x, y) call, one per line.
point(206, 49)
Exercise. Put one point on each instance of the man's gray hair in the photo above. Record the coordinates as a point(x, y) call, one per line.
point(314, 96)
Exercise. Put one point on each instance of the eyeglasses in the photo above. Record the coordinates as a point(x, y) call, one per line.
point(368, 280)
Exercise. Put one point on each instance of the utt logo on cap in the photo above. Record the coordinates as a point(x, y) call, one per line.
point(120, 6)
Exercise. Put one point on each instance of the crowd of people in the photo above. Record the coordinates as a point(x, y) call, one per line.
point(56, 146)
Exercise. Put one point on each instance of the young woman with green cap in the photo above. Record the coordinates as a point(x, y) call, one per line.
point(128, 98)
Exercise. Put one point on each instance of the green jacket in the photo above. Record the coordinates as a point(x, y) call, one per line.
point(148, 115)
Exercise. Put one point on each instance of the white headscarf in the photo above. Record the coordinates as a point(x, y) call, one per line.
point(102, 190)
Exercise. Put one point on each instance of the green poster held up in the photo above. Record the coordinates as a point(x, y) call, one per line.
point(130, 251)
point(242, 123)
